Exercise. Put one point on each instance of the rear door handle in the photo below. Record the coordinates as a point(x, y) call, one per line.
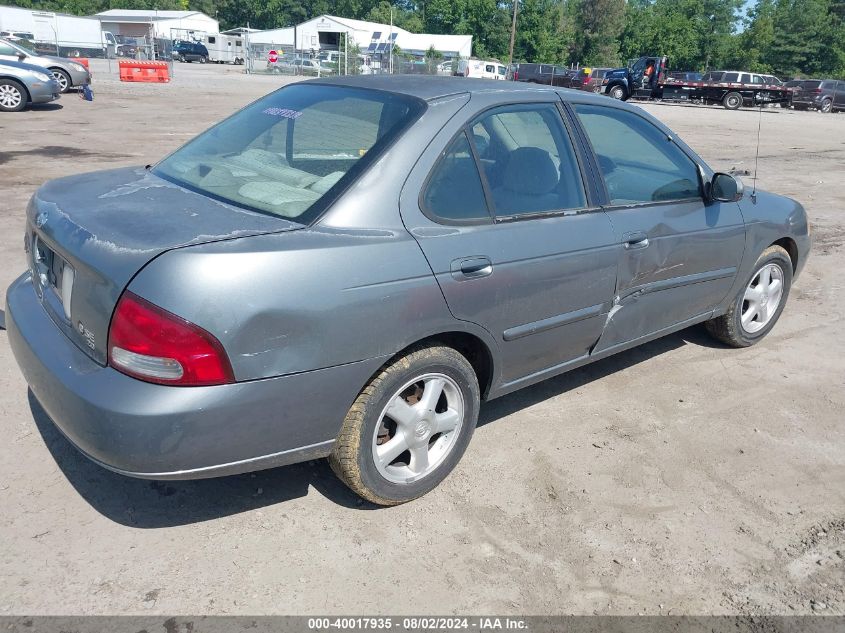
point(471, 267)
point(636, 239)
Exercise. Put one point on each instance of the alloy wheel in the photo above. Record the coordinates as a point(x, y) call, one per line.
point(61, 78)
point(10, 97)
point(762, 298)
point(418, 428)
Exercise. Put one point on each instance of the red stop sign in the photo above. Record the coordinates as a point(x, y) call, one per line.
point(273, 57)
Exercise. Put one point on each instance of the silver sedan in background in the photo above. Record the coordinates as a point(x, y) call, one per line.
point(24, 83)
point(68, 73)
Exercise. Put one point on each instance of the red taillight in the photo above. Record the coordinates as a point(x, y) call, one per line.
point(152, 344)
point(516, 75)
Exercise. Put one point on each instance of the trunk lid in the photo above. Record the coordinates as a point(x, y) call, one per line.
point(88, 235)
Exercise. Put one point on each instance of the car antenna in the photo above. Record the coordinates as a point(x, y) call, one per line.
point(757, 157)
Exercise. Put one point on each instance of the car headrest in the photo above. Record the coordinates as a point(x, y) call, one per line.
point(530, 170)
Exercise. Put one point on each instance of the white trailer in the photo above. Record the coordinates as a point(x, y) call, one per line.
point(224, 49)
point(59, 34)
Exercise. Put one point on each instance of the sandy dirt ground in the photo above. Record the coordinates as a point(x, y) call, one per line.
point(681, 477)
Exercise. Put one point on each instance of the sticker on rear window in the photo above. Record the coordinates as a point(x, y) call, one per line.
point(284, 113)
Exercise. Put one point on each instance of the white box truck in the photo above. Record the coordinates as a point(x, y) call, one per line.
point(57, 33)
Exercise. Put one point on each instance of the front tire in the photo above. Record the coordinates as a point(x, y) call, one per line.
point(62, 78)
point(619, 93)
point(759, 304)
point(409, 426)
point(13, 96)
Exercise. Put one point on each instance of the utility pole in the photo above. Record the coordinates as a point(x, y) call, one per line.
point(513, 30)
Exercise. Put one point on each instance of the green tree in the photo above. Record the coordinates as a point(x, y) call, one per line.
point(599, 24)
point(539, 35)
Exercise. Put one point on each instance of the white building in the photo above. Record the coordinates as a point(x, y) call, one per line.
point(325, 33)
point(163, 24)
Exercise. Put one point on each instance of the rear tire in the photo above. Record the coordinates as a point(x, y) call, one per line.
point(203, 60)
point(826, 106)
point(409, 426)
point(732, 101)
point(13, 96)
point(759, 304)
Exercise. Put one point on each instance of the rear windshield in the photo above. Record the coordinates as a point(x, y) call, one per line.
point(292, 152)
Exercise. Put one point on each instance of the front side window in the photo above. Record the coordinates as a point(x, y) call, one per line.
point(5, 49)
point(286, 153)
point(528, 160)
point(638, 161)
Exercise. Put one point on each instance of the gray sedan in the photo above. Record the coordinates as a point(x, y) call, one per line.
point(68, 73)
point(349, 267)
point(24, 83)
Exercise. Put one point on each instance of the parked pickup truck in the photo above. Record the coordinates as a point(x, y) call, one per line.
point(649, 78)
point(589, 79)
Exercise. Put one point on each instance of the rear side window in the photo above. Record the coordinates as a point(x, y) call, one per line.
point(528, 160)
point(638, 161)
point(454, 191)
point(731, 78)
point(828, 85)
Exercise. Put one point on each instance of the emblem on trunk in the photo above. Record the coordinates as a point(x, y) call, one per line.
point(87, 334)
point(41, 220)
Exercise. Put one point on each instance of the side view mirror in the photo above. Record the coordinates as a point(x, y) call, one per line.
point(725, 188)
point(21, 56)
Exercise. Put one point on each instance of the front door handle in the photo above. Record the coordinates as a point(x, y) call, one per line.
point(636, 239)
point(471, 267)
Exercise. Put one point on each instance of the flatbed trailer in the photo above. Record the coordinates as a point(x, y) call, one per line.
point(636, 82)
point(730, 95)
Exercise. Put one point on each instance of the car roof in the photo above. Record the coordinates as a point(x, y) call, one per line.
point(8, 64)
point(431, 87)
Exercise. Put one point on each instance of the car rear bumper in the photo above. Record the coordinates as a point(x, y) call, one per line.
point(806, 103)
point(160, 432)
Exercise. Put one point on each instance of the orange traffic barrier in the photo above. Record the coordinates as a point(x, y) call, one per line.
point(81, 60)
point(153, 72)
